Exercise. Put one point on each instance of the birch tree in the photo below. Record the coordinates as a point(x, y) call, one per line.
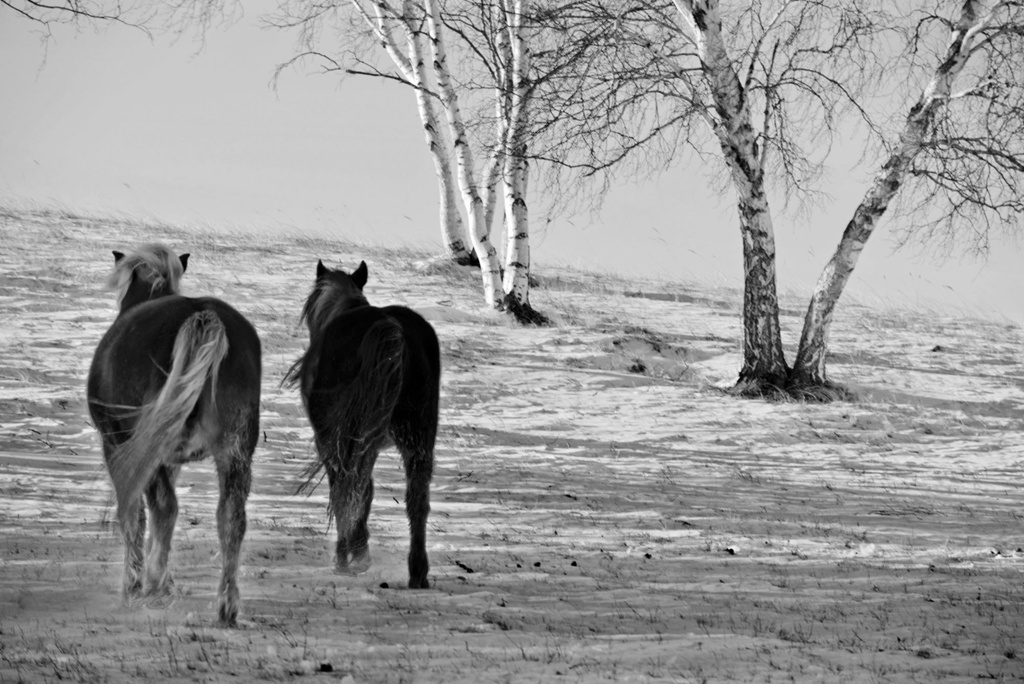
point(528, 54)
point(478, 229)
point(494, 40)
point(513, 92)
point(425, 66)
point(763, 358)
point(516, 167)
point(504, 27)
point(452, 225)
point(960, 148)
point(793, 67)
point(774, 81)
point(398, 32)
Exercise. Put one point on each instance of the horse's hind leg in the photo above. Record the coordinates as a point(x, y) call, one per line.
point(234, 470)
point(350, 505)
point(359, 542)
point(133, 529)
point(419, 465)
point(132, 520)
point(163, 513)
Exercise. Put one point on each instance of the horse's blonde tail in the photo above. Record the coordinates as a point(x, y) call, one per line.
point(161, 429)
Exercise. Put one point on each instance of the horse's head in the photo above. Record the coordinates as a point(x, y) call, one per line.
point(333, 292)
point(149, 272)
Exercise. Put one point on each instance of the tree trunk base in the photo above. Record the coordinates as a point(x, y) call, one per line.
point(466, 259)
point(820, 391)
point(772, 388)
point(524, 314)
point(790, 388)
point(531, 280)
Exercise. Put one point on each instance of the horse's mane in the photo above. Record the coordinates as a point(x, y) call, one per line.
point(155, 263)
point(325, 302)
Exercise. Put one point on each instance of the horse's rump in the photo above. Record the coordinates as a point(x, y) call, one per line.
point(421, 370)
point(156, 390)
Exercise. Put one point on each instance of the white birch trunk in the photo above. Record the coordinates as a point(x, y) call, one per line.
point(411, 66)
point(380, 23)
point(517, 252)
point(502, 106)
point(489, 268)
point(764, 364)
point(453, 230)
point(809, 369)
point(492, 176)
point(517, 249)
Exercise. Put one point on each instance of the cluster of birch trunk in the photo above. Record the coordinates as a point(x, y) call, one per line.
point(604, 81)
point(972, 27)
point(414, 37)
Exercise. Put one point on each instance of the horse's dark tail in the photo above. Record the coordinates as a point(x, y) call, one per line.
point(361, 422)
point(161, 429)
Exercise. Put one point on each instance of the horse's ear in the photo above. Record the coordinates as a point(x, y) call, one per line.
point(359, 275)
point(118, 256)
point(184, 262)
point(320, 269)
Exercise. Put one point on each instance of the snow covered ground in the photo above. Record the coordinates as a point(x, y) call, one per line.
point(602, 511)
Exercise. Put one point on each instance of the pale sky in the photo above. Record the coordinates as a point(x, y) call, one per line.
point(115, 123)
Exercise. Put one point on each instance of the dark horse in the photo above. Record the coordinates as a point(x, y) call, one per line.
point(370, 378)
point(175, 379)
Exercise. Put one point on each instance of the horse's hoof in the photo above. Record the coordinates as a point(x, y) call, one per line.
point(361, 563)
point(419, 584)
point(159, 590)
point(357, 566)
point(131, 592)
point(227, 618)
point(132, 597)
point(350, 570)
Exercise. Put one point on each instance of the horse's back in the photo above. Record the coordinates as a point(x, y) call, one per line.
point(336, 352)
point(413, 324)
point(342, 337)
point(423, 353)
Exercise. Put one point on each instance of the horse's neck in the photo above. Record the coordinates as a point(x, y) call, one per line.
point(139, 292)
point(350, 304)
point(344, 305)
point(337, 308)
